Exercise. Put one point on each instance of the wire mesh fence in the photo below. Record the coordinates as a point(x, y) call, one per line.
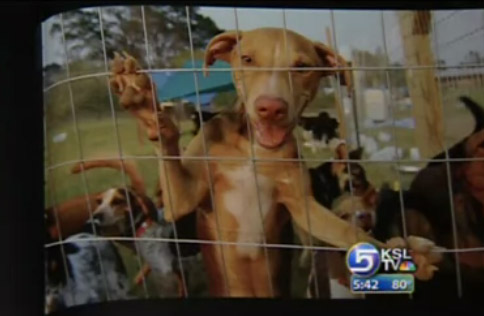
point(80, 46)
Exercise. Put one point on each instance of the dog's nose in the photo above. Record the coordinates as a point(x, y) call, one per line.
point(270, 108)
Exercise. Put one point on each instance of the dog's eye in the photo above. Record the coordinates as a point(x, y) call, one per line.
point(246, 59)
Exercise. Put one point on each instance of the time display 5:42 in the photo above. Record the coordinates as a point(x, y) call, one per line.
point(370, 284)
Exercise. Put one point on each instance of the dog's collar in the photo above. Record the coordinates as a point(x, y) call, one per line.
point(143, 227)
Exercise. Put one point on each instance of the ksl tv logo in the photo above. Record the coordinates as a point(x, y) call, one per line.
point(365, 260)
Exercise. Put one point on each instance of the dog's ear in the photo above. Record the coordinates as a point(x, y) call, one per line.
point(329, 58)
point(220, 47)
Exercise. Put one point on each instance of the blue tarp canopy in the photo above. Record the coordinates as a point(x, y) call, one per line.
point(181, 84)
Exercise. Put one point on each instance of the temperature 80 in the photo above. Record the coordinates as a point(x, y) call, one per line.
point(399, 284)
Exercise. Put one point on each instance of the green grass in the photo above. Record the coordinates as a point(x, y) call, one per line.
point(98, 140)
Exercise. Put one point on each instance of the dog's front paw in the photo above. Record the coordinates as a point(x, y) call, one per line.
point(426, 255)
point(133, 87)
point(424, 252)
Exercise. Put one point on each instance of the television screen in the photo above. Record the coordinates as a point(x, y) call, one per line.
point(207, 152)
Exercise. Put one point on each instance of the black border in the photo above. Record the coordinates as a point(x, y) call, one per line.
point(54, 7)
point(273, 307)
point(21, 223)
point(21, 174)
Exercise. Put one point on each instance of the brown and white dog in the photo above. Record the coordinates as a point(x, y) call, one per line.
point(252, 200)
point(360, 211)
point(128, 212)
point(121, 211)
point(73, 214)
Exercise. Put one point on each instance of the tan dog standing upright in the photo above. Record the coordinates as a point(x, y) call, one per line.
point(252, 199)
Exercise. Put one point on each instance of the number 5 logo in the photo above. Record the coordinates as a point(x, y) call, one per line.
point(363, 259)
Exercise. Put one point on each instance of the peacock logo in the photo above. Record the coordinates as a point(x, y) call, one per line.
point(407, 266)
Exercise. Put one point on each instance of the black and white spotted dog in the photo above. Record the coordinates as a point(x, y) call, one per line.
point(78, 278)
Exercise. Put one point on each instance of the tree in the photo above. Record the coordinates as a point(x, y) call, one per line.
point(82, 33)
point(123, 28)
point(166, 27)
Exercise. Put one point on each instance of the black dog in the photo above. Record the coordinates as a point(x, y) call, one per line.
point(458, 150)
point(435, 203)
point(321, 126)
point(428, 214)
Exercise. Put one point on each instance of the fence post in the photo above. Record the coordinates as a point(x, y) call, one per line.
point(338, 101)
point(415, 27)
